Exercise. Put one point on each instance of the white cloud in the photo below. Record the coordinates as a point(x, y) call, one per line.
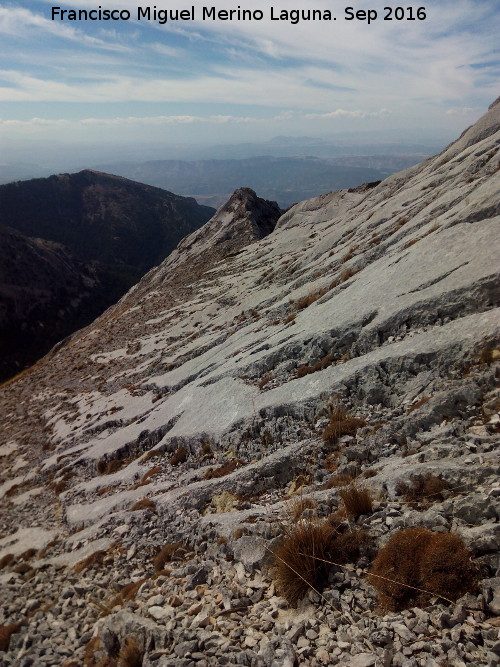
point(17, 22)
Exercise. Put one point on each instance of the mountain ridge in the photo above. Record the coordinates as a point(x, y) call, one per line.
point(110, 231)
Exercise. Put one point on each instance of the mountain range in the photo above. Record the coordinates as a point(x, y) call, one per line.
point(286, 180)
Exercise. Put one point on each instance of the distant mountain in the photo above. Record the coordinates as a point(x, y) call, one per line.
point(282, 179)
point(70, 246)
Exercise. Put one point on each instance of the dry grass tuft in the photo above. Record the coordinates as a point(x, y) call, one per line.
point(109, 467)
point(424, 489)
point(223, 470)
point(340, 423)
point(143, 504)
point(206, 448)
point(418, 404)
point(308, 553)
point(299, 506)
point(151, 454)
point(130, 654)
point(95, 558)
point(306, 301)
point(416, 564)
point(347, 273)
point(265, 379)
point(179, 456)
point(343, 479)
point(318, 366)
point(166, 554)
point(290, 318)
point(488, 355)
point(357, 501)
point(6, 632)
point(6, 560)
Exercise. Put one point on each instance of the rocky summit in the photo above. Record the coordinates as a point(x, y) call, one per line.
point(279, 448)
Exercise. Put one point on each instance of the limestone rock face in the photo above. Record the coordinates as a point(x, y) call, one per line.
point(206, 390)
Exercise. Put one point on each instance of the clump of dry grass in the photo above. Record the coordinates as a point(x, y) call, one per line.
point(357, 501)
point(488, 355)
point(179, 456)
point(306, 301)
point(130, 654)
point(347, 273)
point(343, 479)
point(166, 554)
point(143, 504)
point(300, 505)
point(307, 554)
point(109, 467)
point(6, 632)
point(265, 379)
point(418, 404)
point(424, 489)
point(223, 470)
point(151, 454)
point(303, 370)
point(206, 448)
point(6, 560)
point(290, 318)
point(95, 558)
point(416, 564)
point(340, 423)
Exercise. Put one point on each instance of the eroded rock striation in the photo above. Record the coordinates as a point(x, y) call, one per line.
point(156, 461)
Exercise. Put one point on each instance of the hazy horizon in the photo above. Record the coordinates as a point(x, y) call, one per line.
point(75, 86)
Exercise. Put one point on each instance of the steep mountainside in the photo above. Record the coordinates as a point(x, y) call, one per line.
point(269, 377)
point(76, 243)
point(41, 285)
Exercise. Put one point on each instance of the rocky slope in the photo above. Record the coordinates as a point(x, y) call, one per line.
point(194, 415)
point(82, 241)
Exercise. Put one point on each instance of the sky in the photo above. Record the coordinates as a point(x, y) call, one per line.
point(211, 81)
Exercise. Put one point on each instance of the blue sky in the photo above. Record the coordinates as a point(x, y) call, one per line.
point(78, 82)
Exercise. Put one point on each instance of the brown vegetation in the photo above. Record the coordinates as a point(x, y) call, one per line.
point(338, 480)
point(143, 504)
point(347, 273)
point(318, 366)
point(306, 301)
point(166, 554)
point(95, 558)
point(424, 489)
point(357, 501)
point(6, 632)
point(223, 470)
point(179, 456)
point(307, 555)
point(265, 379)
point(340, 423)
point(418, 404)
point(416, 564)
point(130, 654)
point(299, 506)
